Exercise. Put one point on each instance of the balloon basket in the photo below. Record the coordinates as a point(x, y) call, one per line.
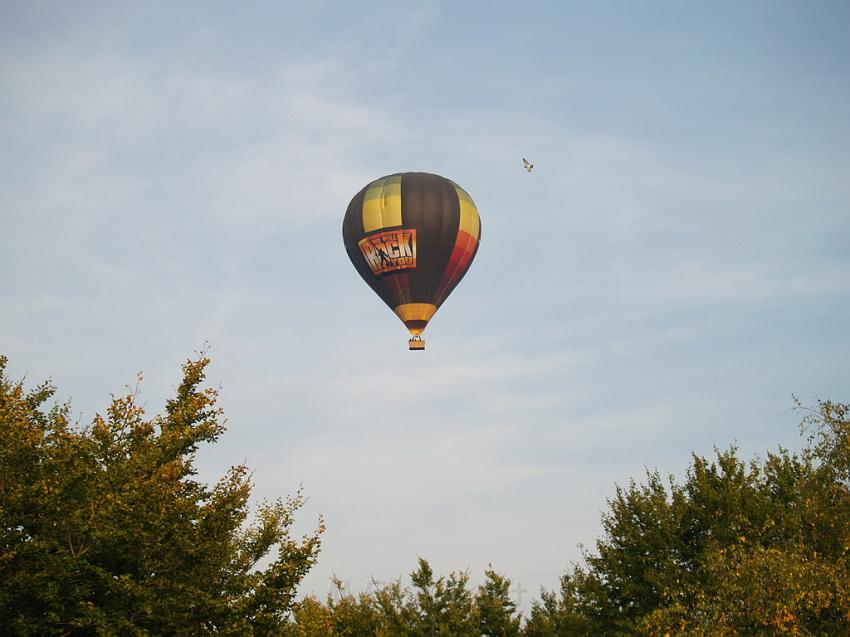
point(415, 344)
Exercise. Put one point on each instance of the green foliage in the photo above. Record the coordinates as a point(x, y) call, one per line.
point(432, 607)
point(105, 529)
point(757, 548)
point(443, 606)
point(497, 612)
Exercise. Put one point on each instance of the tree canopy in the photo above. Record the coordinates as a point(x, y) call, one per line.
point(106, 529)
point(431, 607)
point(737, 548)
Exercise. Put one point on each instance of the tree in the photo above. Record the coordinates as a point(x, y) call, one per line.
point(342, 615)
point(444, 607)
point(432, 607)
point(497, 613)
point(105, 529)
point(757, 548)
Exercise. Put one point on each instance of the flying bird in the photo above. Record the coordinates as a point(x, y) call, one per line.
point(529, 167)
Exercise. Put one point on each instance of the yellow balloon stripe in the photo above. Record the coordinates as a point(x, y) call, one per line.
point(382, 204)
point(469, 220)
point(415, 312)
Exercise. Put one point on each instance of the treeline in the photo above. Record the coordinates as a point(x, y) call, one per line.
point(431, 606)
point(735, 548)
point(106, 531)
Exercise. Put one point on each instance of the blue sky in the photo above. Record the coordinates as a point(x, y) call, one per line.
point(676, 266)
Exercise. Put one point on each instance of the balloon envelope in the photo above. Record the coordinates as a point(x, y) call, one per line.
point(412, 237)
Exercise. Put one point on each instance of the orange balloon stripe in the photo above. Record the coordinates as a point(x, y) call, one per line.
point(459, 261)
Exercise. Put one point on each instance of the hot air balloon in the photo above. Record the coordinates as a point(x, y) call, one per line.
point(412, 237)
